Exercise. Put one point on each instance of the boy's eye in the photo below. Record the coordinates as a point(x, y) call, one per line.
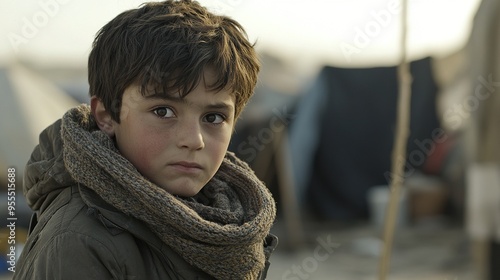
point(215, 118)
point(163, 112)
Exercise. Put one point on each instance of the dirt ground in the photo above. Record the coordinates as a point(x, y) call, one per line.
point(432, 252)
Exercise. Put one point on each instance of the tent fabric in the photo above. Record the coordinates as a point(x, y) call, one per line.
point(356, 131)
point(13, 122)
point(483, 132)
point(29, 104)
point(484, 58)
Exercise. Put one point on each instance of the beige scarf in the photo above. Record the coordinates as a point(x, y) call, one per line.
point(221, 230)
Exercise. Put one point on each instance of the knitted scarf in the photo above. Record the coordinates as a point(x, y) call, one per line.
point(220, 230)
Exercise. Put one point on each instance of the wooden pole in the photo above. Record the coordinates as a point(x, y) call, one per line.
point(400, 144)
point(291, 209)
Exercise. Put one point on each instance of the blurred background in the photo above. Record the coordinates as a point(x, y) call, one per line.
point(319, 130)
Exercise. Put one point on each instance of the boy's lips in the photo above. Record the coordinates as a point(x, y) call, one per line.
point(186, 166)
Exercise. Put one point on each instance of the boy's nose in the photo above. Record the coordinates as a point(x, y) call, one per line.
point(190, 136)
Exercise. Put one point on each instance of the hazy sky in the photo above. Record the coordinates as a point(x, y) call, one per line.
point(343, 32)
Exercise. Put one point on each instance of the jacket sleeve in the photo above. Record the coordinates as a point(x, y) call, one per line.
point(71, 256)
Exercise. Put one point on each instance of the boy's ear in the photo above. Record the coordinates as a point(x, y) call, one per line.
point(102, 117)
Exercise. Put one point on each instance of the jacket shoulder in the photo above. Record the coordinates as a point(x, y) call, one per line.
point(72, 243)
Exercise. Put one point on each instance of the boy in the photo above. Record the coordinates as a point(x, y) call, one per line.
point(140, 184)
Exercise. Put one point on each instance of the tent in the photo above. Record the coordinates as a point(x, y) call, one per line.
point(29, 103)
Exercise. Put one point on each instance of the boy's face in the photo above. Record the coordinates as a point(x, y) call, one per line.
point(177, 144)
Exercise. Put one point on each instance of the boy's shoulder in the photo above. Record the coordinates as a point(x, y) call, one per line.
point(79, 229)
point(67, 239)
point(68, 221)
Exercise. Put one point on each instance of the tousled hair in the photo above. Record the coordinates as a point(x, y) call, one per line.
point(166, 46)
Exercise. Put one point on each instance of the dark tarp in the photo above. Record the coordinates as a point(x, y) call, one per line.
point(357, 134)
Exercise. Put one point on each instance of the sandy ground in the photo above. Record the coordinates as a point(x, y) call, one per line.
point(423, 253)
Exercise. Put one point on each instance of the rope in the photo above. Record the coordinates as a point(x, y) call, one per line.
point(400, 143)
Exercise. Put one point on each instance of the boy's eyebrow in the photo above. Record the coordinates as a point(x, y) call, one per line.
point(217, 105)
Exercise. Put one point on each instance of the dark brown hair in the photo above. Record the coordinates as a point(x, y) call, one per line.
point(167, 46)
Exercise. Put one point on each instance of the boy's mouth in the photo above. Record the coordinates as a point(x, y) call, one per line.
point(186, 166)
